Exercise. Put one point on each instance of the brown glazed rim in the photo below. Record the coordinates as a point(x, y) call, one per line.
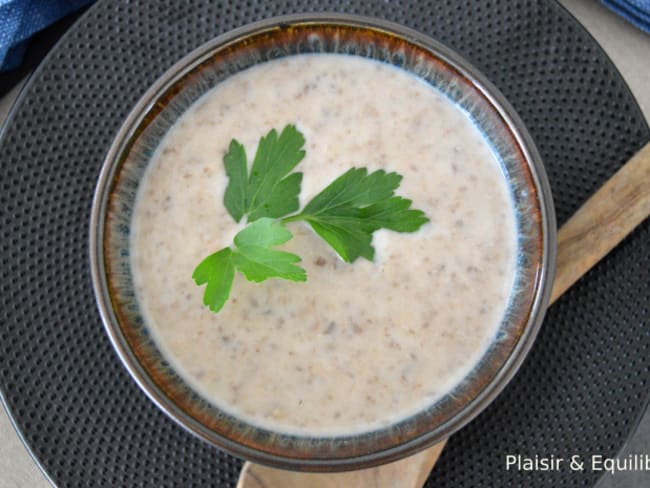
point(111, 212)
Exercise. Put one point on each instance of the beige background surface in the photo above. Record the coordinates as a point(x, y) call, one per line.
point(628, 47)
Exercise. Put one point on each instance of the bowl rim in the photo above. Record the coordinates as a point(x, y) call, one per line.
point(501, 106)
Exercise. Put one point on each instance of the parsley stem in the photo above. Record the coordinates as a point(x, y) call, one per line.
point(292, 218)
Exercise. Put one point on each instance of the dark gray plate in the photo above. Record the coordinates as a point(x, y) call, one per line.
point(581, 390)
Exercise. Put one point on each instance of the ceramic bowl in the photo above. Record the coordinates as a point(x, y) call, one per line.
point(257, 43)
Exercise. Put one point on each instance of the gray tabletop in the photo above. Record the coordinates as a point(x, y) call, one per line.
point(629, 49)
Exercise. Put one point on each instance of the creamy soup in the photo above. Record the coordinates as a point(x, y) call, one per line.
point(358, 346)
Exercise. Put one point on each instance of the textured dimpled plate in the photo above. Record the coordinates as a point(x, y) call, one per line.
point(581, 389)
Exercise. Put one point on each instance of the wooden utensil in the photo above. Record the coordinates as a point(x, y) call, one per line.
point(621, 204)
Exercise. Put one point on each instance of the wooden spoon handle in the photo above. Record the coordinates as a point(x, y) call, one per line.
point(599, 225)
point(604, 220)
point(411, 471)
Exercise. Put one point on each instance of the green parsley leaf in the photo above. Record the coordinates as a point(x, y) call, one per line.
point(269, 190)
point(236, 169)
point(218, 271)
point(355, 205)
point(253, 257)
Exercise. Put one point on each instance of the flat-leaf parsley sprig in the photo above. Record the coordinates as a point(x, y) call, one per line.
point(253, 256)
point(269, 190)
point(345, 214)
point(355, 205)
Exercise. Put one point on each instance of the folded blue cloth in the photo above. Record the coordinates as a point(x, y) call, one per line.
point(636, 11)
point(20, 19)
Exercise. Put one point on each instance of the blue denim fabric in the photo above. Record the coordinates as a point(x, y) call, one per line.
point(20, 19)
point(635, 11)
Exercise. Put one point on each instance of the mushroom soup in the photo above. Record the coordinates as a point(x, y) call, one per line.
point(357, 346)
